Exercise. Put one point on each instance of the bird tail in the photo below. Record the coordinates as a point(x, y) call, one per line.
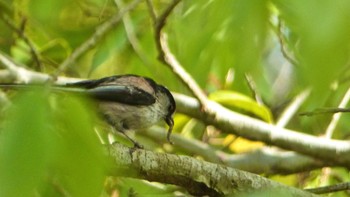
point(17, 86)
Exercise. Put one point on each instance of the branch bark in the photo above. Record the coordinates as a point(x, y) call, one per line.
point(335, 151)
point(198, 177)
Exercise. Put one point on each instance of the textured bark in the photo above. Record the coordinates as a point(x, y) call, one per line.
point(198, 177)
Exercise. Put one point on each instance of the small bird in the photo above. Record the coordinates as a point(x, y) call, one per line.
point(128, 102)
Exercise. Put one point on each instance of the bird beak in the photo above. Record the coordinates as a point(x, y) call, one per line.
point(170, 121)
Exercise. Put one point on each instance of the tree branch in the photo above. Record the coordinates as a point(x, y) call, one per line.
point(336, 117)
point(325, 111)
point(330, 189)
point(24, 37)
point(291, 109)
point(267, 160)
point(151, 10)
point(228, 121)
point(198, 177)
point(283, 46)
point(166, 57)
point(19, 73)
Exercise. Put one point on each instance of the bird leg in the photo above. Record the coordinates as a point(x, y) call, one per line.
point(136, 144)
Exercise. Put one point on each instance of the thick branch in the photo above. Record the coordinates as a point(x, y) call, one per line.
point(336, 151)
point(198, 177)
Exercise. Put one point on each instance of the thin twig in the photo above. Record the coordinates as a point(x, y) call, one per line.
point(289, 112)
point(283, 44)
point(158, 26)
point(21, 74)
point(166, 57)
point(20, 32)
point(325, 111)
point(330, 129)
point(336, 117)
point(103, 10)
point(151, 11)
point(97, 36)
point(187, 79)
point(330, 189)
point(252, 87)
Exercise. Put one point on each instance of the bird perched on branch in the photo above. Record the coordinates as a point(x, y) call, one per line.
point(127, 102)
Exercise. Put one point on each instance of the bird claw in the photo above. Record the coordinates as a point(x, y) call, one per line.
point(137, 145)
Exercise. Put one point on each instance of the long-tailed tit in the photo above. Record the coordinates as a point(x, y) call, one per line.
point(128, 102)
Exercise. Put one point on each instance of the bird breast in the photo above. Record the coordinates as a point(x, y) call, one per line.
point(128, 117)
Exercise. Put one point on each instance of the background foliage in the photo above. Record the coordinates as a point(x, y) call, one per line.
point(284, 46)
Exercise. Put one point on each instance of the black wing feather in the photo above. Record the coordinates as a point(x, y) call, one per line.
point(91, 83)
point(107, 89)
point(122, 94)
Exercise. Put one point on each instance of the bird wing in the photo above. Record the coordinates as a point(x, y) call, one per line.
point(123, 89)
point(122, 94)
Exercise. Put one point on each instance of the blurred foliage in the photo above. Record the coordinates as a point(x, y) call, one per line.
point(212, 37)
point(217, 42)
point(50, 147)
point(319, 34)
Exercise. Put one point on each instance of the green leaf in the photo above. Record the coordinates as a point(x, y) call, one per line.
point(215, 36)
point(80, 163)
point(115, 40)
point(46, 143)
point(238, 101)
point(26, 145)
